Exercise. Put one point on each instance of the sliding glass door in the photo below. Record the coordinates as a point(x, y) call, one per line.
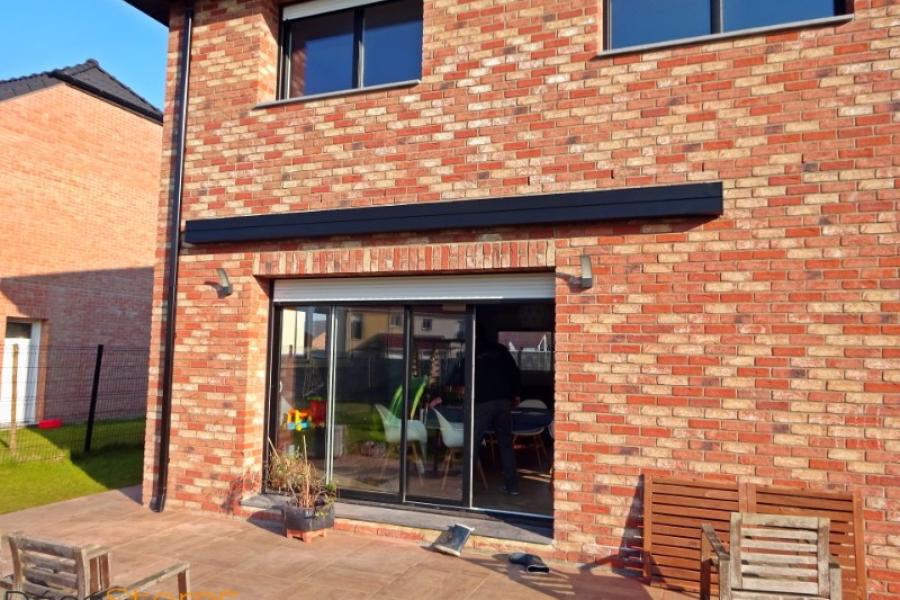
point(301, 390)
point(387, 399)
point(368, 399)
point(439, 403)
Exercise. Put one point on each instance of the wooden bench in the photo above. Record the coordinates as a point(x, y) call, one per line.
point(675, 509)
point(46, 569)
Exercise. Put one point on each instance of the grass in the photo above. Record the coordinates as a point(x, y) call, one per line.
point(68, 441)
point(49, 465)
point(25, 485)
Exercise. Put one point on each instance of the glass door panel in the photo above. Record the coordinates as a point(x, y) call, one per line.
point(302, 383)
point(514, 407)
point(438, 401)
point(368, 399)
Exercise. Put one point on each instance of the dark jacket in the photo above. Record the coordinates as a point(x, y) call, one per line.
point(497, 375)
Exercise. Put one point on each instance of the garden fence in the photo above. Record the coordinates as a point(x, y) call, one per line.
point(58, 401)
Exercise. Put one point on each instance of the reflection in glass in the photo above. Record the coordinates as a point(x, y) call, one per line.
point(525, 332)
point(636, 22)
point(302, 378)
point(322, 49)
point(392, 38)
point(437, 398)
point(745, 14)
point(368, 400)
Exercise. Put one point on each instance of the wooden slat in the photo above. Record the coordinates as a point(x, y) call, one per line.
point(648, 525)
point(837, 504)
point(46, 547)
point(786, 534)
point(679, 502)
point(780, 585)
point(51, 563)
point(858, 587)
point(766, 570)
point(765, 557)
point(692, 492)
point(63, 581)
point(767, 520)
point(43, 592)
point(783, 546)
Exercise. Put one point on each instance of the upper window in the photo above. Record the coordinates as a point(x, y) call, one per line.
point(368, 43)
point(641, 22)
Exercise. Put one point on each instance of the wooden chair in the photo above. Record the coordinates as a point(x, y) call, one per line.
point(45, 569)
point(536, 436)
point(772, 557)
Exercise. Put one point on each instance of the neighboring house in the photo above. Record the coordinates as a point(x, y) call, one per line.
point(700, 214)
point(80, 153)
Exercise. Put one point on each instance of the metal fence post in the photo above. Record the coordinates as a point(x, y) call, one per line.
point(95, 386)
point(13, 417)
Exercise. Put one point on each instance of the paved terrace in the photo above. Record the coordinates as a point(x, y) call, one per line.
point(256, 563)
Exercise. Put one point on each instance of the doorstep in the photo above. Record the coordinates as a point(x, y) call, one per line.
point(487, 527)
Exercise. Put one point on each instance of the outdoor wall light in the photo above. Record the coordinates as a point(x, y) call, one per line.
point(587, 272)
point(225, 287)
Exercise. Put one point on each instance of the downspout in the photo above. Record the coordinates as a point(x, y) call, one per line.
point(158, 503)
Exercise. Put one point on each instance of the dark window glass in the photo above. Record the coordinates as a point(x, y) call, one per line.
point(745, 14)
point(636, 22)
point(392, 42)
point(322, 49)
point(18, 330)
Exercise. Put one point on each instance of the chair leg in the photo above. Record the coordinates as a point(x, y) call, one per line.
point(384, 461)
point(417, 461)
point(447, 462)
point(481, 472)
point(184, 584)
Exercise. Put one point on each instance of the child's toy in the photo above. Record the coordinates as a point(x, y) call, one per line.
point(298, 420)
point(317, 411)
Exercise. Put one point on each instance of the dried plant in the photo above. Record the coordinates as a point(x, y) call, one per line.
point(292, 474)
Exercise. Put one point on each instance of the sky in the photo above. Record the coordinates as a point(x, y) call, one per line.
point(40, 36)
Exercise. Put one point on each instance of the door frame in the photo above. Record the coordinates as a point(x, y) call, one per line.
point(400, 499)
point(29, 404)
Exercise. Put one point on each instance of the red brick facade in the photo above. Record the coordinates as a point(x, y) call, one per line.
point(760, 346)
point(77, 201)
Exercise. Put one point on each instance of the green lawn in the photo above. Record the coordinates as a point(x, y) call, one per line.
point(49, 464)
point(68, 441)
point(24, 485)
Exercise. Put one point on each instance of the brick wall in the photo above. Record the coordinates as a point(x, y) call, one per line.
point(80, 176)
point(760, 346)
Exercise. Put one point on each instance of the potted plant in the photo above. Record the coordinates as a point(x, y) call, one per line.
point(309, 508)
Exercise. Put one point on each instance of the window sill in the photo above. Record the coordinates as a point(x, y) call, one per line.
point(338, 94)
point(715, 37)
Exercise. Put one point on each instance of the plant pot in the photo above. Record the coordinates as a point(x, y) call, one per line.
point(302, 522)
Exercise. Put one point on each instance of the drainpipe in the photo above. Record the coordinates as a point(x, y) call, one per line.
point(158, 502)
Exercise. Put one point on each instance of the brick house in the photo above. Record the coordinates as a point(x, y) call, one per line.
point(80, 152)
point(680, 220)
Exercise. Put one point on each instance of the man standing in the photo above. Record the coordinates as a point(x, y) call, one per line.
point(497, 388)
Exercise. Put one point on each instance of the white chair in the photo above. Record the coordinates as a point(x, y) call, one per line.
point(454, 437)
point(535, 435)
point(415, 433)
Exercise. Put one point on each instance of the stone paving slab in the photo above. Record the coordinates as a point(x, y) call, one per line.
point(253, 562)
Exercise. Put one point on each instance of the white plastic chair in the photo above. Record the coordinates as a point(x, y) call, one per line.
point(535, 435)
point(415, 433)
point(454, 437)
